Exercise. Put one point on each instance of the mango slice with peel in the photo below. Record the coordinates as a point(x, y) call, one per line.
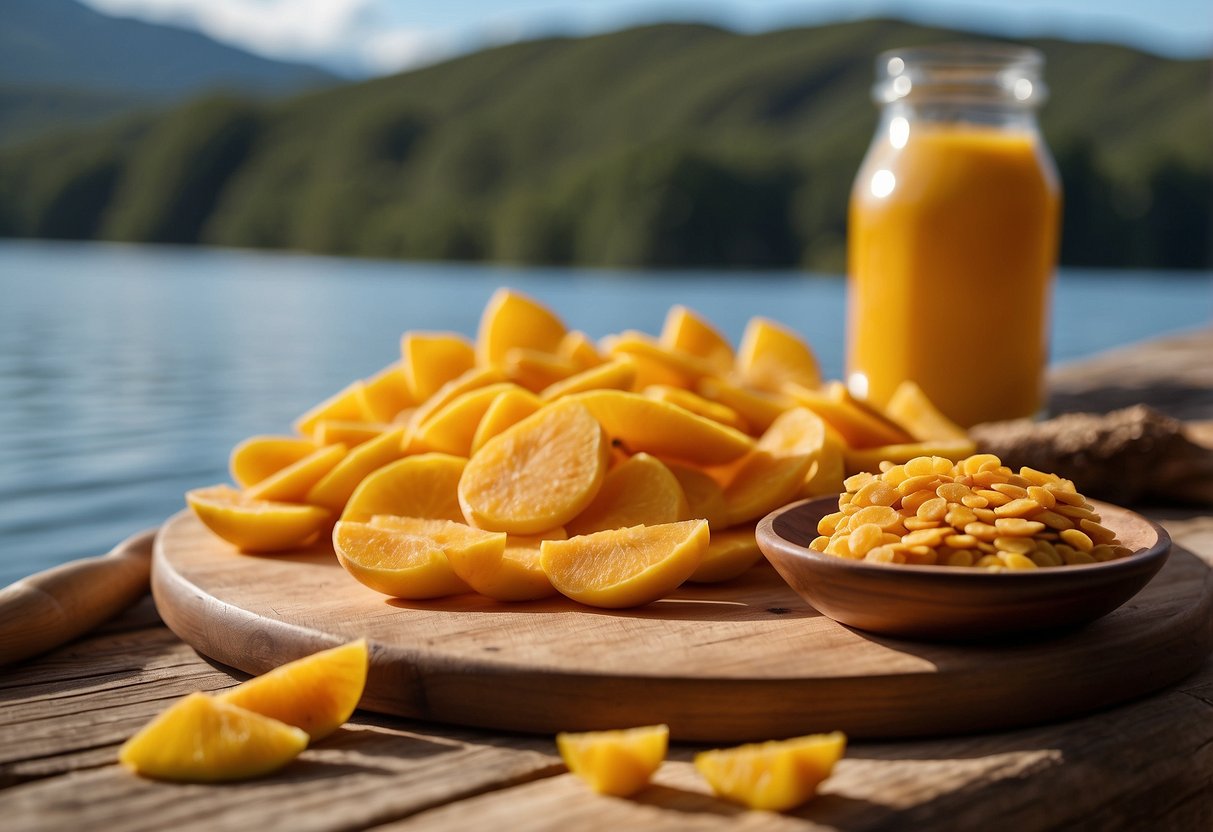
point(204, 740)
point(640, 491)
point(775, 776)
point(291, 484)
point(431, 359)
point(770, 355)
point(618, 763)
point(539, 473)
point(259, 457)
point(316, 693)
point(663, 429)
point(513, 575)
point(256, 525)
point(513, 320)
point(398, 564)
point(425, 485)
point(334, 489)
point(625, 567)
point(730, 553)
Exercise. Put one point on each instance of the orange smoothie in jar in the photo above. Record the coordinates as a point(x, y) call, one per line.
point(951, 250)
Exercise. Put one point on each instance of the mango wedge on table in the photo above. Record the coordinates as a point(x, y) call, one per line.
point(254, 728)
point(316, 693)
point(204, 740)
point(775, 776)
point(537, 432)
point(619, 762)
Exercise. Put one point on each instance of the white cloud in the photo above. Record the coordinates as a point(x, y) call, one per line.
point(342, 33)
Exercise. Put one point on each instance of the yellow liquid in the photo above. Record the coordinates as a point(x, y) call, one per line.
point(951, 249)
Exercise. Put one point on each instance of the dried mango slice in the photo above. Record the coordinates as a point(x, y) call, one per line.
point(514, 574)
point(425, 485)
point(618, 763)
point(730, 553)
point(510, 320)
point(316, 693)
point(258, 457)
point(640, 491)
point(204, 740)
point(291, 484)
point(335, 488)
point(771, 355)
point(687, 332)
point(506, 410)
point(398, 564)
point(540, 473)
point(775, 776)
point(625, 567)
point(343, 405)
point(256, 525)
point(453, 427)
point(431, 359)
point(910, 408)
point(618, 374)
point(385, 394)
point(663, 429)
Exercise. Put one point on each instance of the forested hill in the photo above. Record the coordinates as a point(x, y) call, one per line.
point(664, 145)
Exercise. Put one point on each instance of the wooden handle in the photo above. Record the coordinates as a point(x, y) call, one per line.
point(52, 607)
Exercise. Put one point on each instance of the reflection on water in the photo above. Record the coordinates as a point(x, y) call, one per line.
point(127, 373)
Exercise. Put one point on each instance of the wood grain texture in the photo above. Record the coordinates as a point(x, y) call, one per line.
point(745, 660)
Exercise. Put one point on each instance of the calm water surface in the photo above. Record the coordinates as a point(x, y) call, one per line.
point(127, 372)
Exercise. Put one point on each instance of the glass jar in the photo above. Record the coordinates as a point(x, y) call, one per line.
point(953, 231)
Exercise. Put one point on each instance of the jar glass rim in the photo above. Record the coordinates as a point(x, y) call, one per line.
point(975, 55)
point(989, 73)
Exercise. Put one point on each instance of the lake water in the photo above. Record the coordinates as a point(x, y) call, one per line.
point(127, 373)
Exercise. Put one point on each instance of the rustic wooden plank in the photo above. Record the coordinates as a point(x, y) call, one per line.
point(1146, 765)
point(365, 774)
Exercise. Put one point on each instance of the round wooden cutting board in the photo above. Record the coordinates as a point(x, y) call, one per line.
point(745, 660)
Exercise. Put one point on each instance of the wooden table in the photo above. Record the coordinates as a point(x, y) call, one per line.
point(1147, 765)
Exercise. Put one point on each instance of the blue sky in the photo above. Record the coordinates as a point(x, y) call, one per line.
point(378, 36)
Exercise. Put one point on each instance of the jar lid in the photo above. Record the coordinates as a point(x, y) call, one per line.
point(980, 73)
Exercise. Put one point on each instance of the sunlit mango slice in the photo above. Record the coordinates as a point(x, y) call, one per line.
point(473, 379)
point(775, 776)
point(333, 491)
point(763, 483)
point(398, 564)
point(431, 359)
point(758, 408)
point(537, 474)
point(577, 347)
point(258, 457)
point(344, 405)
point(771, 355)
point(698, 405)
point(640, 491)
point(663, 429)
point(625, 567)
point(452, 428)
point(513, 575)
point(291, 484)
point(858, 425)
point(730, 553)
point(704, 494)
point(425, 485)
point(912, 410)
point(687, 332)
point(256, 525)
point(511, 319)
point(618, 374)
point(536, 370)
point(204, 740)
point(385, 394)
point(618, 763)
point(317, 693)
point(333, 431)
point(801, 432)
point(686, 367)
point(507, 409)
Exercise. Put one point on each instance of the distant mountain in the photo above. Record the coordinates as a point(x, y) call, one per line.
point(663, 145)
point(63, 63)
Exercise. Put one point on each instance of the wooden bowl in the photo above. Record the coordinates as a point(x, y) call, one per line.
point(949, 603)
